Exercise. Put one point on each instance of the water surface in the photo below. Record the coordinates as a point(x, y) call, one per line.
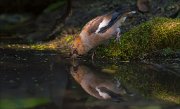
point(44, 79)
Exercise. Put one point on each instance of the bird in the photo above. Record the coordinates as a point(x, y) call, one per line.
point(99, 30)
point(97, 84)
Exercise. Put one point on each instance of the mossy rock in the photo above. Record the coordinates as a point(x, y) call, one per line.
point(151, 36)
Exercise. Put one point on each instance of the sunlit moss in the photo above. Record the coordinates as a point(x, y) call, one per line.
point(61, 44)
point(40, 47)
point(151, 36)
point(24, 47)
point(67, 40)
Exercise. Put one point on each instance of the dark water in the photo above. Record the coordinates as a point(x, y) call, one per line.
point(46, 80)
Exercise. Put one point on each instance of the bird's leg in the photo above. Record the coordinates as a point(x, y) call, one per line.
point(118, 34)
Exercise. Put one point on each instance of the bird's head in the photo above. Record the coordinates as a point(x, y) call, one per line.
point(77, 48)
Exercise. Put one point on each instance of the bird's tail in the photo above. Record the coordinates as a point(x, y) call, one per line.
point(131, 12)
point(125, 15)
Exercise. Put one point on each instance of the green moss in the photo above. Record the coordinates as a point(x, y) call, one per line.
point(60, 44)
point(32, 47)
point(151, 36)
point(40, 47)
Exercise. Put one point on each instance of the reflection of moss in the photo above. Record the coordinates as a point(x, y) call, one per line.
point(154, 35)
point(167, 96)
point(151, 83)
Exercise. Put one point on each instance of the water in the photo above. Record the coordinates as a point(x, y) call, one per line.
point(46, 80)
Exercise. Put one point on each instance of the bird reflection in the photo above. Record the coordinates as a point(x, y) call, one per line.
point(98, 84)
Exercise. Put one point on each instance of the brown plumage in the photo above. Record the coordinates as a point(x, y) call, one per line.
point(99, 30)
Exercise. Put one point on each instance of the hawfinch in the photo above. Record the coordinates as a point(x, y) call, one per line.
point(99, 30)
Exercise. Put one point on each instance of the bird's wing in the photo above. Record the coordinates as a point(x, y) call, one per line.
point(92, 91)
point(115, 16)
point(102, 23)
point(113, 95)
point(93, 25)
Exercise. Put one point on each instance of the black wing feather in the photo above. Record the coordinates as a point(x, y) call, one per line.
point(111, 22)
point(114, 96)
point(116, 14)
